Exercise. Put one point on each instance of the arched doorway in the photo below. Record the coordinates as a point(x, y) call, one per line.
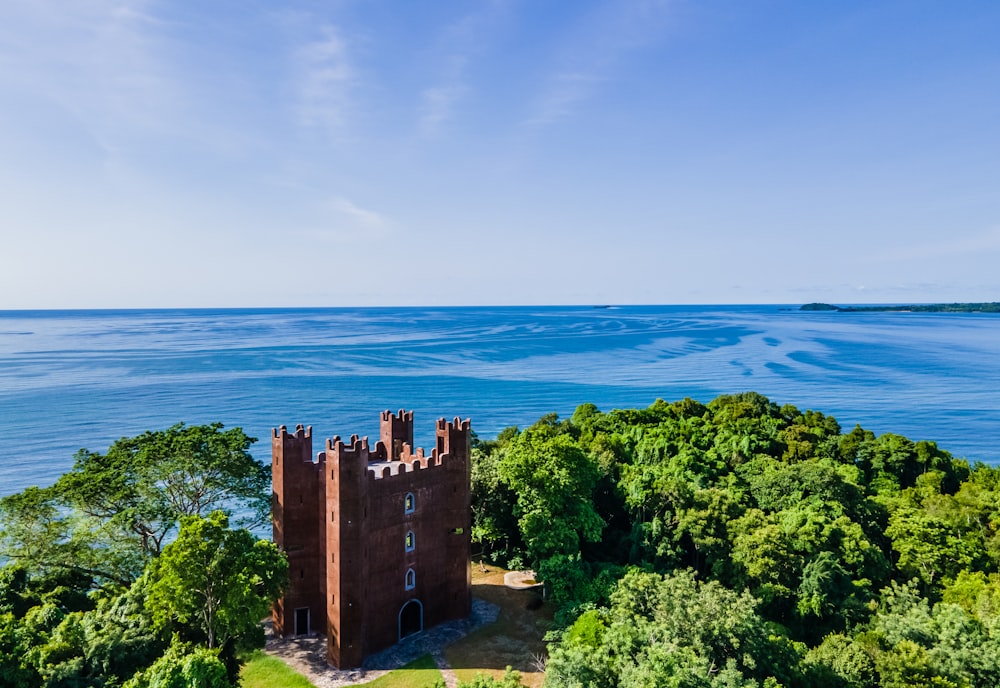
point(411, 618)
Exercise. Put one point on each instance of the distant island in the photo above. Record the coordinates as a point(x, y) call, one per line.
point(991, 307)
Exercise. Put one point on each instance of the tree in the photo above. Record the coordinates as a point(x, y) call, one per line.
point(213, 584)
point(102, 646)
point(554, 480)
point(928, 547)
point(16, 639)
point(112, 512)
point(671, 630)
point(144, 484)
point(494, 525)
point(184, 667)
point(39, 532)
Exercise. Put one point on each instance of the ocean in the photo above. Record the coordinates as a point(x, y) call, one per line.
point(72, 379)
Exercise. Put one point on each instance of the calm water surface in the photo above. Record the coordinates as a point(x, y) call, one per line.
point(72, 379)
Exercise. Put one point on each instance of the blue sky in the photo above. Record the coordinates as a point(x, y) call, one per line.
point(250, 153)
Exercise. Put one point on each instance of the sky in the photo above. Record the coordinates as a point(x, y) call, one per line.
point(243, 153)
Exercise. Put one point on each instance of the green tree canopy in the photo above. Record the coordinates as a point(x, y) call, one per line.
point(112, 512)
point(671, 630)
point(213, 584)
point(554, 481)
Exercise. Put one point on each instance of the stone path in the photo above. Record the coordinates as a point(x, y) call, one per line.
point(450, 679)
point(308, 655)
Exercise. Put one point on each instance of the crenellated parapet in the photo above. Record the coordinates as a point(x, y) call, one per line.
point(453, 441)
point(353, 450)
point(301, 432)
point(291, 447)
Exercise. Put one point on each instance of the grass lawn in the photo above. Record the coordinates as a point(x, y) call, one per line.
point(514, 640)
point(264, 671)
point(420, 673)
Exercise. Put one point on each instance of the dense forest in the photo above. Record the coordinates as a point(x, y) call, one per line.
point(737, 544)
point(742, 543)
point(126, 572)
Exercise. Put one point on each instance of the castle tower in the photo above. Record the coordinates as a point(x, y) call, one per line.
point(454, 441)
point(346, 567)
point(383, 551)
point(297, 490)
point(395, 431)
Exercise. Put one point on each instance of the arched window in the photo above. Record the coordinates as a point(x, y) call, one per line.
point(411, 541)
point(409, 503)
point(411, 579)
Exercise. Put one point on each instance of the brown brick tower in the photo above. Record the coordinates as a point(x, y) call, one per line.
point(377, 540)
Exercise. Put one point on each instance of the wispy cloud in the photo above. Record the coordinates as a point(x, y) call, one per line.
point(460, 43)
point(437, 105)
point(142, 82)
point(337, 220)
point(101, 61)
point(362, 216)
point(592, 52)
point(564, 92)
point(325, 76)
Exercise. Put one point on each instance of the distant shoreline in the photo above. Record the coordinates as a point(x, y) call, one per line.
point(989, 307)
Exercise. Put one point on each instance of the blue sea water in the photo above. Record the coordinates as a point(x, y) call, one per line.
point(72, 379)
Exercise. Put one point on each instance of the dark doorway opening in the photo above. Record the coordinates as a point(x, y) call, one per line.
point(411, 618)
point(302, 621)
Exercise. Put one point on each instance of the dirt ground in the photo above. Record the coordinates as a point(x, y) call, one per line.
point(515, 639)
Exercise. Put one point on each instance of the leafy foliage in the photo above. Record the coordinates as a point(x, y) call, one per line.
point(92, 598)
point(183, 667)
point(814, 529)
point(112, 512)
point(670, 630)
point(214, 583)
